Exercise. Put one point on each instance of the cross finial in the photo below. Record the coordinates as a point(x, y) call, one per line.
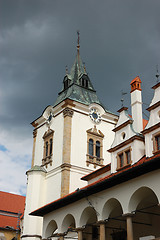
point(157, 74)
point(122, 93)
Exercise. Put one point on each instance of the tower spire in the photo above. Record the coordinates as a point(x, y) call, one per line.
point(78, 46)
point(157, 73)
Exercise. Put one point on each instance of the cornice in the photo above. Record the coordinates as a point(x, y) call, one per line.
point(122, 125)
point(140, 138)
point(150, 129)
point(157, 104)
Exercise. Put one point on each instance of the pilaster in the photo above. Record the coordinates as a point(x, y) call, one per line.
point(34, 145)
point(65, 179)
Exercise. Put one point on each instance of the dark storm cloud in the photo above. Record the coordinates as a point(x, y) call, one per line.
point(119, 40)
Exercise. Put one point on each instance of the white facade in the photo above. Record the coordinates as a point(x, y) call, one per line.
point(78, 136)
point(52, 177)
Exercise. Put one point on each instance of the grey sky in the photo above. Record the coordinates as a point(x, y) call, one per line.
point(119, 39)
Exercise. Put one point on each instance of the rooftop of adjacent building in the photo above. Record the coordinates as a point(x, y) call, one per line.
point(11, 207)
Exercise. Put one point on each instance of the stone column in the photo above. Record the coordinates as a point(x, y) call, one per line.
point(80, 233)
point(102, 225)
point(61, 236)
point(129, 226)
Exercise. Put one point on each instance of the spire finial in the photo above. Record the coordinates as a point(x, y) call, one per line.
point(78, 46)
point(122, 93)
point(84, 66)
point(157, 74)
point(66, 69)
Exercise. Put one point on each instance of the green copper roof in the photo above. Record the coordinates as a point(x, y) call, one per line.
point(78, 85)
point(37, 168)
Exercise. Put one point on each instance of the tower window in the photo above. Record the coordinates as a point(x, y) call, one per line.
point(91, 147)
point(66, 83)
point(51, 143)
point(84, 82)
point(98, 149)
point(95, 147)
point(48, 147)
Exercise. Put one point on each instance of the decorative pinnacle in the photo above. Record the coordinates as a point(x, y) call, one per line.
point(122, 93)
point(78, 46)
point(157, 74)
point(84, 66)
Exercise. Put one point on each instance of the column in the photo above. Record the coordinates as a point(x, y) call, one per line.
point(80, 233)
point(61, 236)
point(34, 145)
point(129, 226)
point(102, 225)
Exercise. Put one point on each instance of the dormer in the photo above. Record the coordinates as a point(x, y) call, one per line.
point(66, 82)
point(128, 146)
point(152, 130)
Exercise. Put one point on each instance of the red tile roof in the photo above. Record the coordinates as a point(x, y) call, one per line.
point(8, 221)
point(110, 179)
point(11, 202)
point(10, 206)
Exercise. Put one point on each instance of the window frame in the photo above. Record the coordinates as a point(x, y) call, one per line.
point(47, 147)
point(96, 136)
point(124, 154)
point(155, 142)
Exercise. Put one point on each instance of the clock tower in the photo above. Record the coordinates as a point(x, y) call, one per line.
point(70, 140)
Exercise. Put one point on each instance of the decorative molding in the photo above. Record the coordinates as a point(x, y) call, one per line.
point(122, 109)
point(157, 104)
point(140, 138)
point(150, 129)
point(68, 112)
point(48, 133)
point(30, 236)
point(122, 125)
point(34, 133)
point(156, 86)
point(68, 102)
point(65, 165)
point(96, 132)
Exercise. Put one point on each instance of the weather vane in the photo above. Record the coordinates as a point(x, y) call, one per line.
point(157, 74)
point(122, 93)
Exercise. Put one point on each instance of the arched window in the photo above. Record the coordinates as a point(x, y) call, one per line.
point(46, 149)
point(98, 149)
point(91, 147)
point(51, 143)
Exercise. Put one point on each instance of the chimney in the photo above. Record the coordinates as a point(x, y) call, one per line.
point(136, 104)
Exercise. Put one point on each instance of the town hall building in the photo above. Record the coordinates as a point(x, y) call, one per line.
point(94, 174)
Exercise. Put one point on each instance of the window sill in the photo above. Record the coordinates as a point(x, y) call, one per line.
point(94, 160)
point(123, 167)
point(156, 152)
point(47, 160)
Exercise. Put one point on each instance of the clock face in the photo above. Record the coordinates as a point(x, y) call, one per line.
point(95, 115)
point(49, 119)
